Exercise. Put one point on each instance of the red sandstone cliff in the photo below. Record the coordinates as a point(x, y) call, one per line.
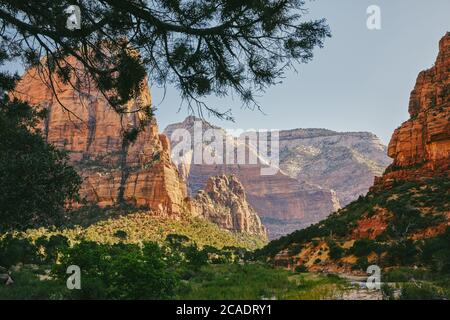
point(421, 146)
point(114, 169)
point(141, 173)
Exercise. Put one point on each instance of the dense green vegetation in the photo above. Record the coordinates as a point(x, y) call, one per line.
point(109, 271)
point(415, 283)
point(176, 269)
point(35, 178)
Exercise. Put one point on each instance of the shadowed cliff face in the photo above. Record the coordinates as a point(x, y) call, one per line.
point(420, 147)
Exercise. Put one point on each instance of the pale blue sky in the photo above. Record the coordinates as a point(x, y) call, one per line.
point(360, 80)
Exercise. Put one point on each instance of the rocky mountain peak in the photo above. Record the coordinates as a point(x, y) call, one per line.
point(219, 184)
point(320, 170)
point(224, 202)
point(420, 147)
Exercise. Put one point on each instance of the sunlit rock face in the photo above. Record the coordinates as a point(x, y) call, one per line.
point(345, 162)
point(139, 172)
point(420, 147)
point(319, 170)
point(223, 201)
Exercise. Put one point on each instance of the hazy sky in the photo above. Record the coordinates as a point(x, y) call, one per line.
point(360, 80)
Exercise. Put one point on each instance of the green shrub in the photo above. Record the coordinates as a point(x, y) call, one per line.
point(420, 292)
point(301, 269)
point(36, 180)
point(403, 253)
point(15, 250)
point(52, 246)
point(361, 264)
point(336, 251)
point(120, 234)
point(121, 271)
point(363, 247)
point(436, 253)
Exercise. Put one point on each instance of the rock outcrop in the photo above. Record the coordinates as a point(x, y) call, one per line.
point(318, 171)
point(116, 169)
point(420, 147)
point(223, 201)
point(283, 203)
point(113, 169)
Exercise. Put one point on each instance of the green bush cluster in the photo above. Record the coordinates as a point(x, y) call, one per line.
point(36, 180)
point(15, 250)
point(336, 251)
point(120, 271)
point(108, 271)
point(421, 291)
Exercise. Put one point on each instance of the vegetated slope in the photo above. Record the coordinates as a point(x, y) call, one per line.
point(137, 226)
point(404, 220)
point(406, 225)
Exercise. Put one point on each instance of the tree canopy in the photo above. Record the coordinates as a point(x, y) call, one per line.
point(202, 47)
point(36, 181)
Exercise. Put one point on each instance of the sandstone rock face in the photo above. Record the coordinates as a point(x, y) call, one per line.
point(140, 172)
point(319, 170)
point(420, 147)
point(223, 201)
point(284, 204)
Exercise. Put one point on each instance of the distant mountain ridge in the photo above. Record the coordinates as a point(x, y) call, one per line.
point(320, 170)
point(344, 162)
